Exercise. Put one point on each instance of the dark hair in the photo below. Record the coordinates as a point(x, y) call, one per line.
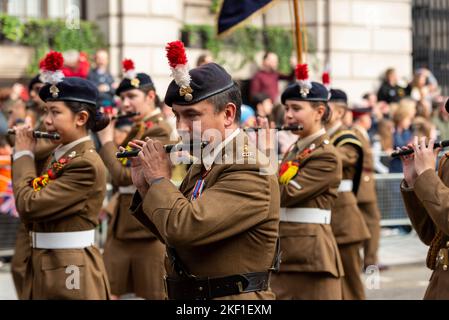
point(231, 95)
point(267, 53)
point(259, 98)
point(327, 111)
point(97, 121)
point(150, 87)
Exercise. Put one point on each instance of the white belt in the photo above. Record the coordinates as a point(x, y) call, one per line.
point(63, 240)
point(306, 215)
point(345, 186)
point(127, 190)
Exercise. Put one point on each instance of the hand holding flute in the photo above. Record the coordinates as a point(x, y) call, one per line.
point(422, 158)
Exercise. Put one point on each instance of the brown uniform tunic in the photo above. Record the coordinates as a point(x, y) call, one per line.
point(427, 205)
point(367, 200)
point(134, 257)
point(310, 263)
point(230, 229)
point(347, 222)
point(69, 203)
point(22, 249)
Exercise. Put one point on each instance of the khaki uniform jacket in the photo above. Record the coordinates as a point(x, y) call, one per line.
point(367, 188)
point(310, 247)
point(427, 206)
point(231, 228)
point(122, 225)
point(69, 203)
point(347, 221)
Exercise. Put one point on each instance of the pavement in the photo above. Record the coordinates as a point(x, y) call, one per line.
point(405, 279)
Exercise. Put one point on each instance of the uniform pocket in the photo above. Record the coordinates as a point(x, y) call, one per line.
point(62, 275)
point(298, 250)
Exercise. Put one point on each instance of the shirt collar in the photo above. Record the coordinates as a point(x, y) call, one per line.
point(305, 142)
point(208, 159)
point(62, 149)
point(331, 131)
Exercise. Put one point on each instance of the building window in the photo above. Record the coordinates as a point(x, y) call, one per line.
point(52, 9)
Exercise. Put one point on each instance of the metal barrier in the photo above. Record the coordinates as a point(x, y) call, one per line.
point(389, 199)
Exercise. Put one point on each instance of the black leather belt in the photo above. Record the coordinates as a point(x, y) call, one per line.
point(210, 288)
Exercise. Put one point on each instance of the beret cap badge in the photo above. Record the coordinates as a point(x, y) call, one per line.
point(135, 82)
point(51, 71)
point(177, 60)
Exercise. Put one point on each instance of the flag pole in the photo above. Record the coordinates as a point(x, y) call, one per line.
point(297, 32)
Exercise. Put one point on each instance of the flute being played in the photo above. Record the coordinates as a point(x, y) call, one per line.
point(126, 115)
point(39, 134)
point(168, 148)
point(290, 128)
point(438, 144)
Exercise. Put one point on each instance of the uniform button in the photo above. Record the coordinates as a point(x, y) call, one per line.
point(200, 288)
point(366, 178)
point(447, 244)
point(445, 267)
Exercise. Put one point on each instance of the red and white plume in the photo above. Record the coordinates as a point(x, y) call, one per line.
point(177, 60)
point(129, 70)
point(326, 78)
point(51, 67)
point(302, 78)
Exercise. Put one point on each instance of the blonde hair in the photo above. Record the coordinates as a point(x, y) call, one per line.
point(406, 109)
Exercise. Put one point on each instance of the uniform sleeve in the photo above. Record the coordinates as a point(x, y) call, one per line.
point(434, 196)
point(61, 197)
point(419, 218)
point(314, 178)
point(238, 201)
point(44, 148)
point(121, 175)
point(348, 155)
point(137, 211)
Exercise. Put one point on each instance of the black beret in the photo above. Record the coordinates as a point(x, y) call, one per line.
point(338, 95)
point(141, 80)
point(318, 92)
point(36, 79)
point(446, 105)
point(71, 89)
point(207, 80)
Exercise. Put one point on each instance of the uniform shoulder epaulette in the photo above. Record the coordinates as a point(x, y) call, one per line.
point(345, 137)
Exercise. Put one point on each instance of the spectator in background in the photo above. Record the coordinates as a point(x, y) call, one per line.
point(423, 87)
point(441, 119)
point(104, 81)
point(203, 59)
point(35, 106)
point(389, 90)
point(383, 145)
point(263, 105)
point(266, 80)
point(403, 133)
